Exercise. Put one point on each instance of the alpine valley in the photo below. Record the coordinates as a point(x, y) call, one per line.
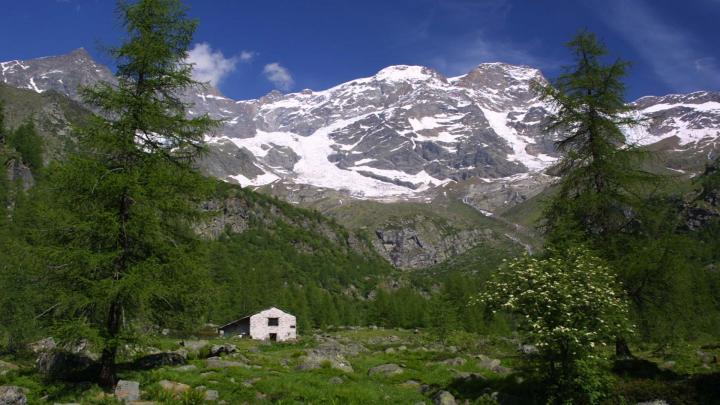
point(428, 167)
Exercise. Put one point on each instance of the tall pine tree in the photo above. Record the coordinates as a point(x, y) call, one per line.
point(118, 224)
point(600, 190)
point(600, 171)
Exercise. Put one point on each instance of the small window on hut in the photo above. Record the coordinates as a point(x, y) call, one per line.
point(273, 321)
point(292, 326)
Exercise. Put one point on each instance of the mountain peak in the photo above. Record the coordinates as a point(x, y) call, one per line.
point(80, 53)
point(397, 73)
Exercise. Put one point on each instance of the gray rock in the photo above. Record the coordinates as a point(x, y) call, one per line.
point(160, 360)
point(706, 358)
point(528, 349)
point(336, 380)
point(43, 345)
point(655, 402)
point(457, 361)
point(212, 395)
point(488, 363)
point(194, 345)
point(127, 391)
point(59, 363)
point(12, 395)
point(217, 363)
point(188, 367)
point(316, 360)
point(174, 387)
point(444, 398)
point(469, 377)
point(412, 384)
point(386, 370)
point(217, 350)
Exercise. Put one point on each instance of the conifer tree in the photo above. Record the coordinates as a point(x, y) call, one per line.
point(599, 169)
point(601, 174)
point(28, 143)
point(118, 225)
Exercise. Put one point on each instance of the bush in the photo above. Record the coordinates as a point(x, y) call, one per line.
point(569, 305)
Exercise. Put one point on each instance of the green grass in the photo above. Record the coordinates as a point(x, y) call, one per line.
point(273, 376)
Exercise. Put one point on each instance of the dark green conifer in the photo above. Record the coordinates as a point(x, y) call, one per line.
point(120, 214)
point(600, 171)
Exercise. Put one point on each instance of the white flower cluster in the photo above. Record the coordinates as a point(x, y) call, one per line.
point(569, 302)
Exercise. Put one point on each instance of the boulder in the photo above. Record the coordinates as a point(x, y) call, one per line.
point(188, 367)
point(216, 362)
point(194, 345)
point(63, 364)
point(160, 360)
point(174, 387)
point(468, 377)
point(528, 349)
point(43, 345)
point(212, 395)
point(12, 395)
point(386, 370)
point(444, 398)
point(217, 350)
point(316, 360)
point(488, 363)
point(127, 391)
point(706, 358)
point(412, 384)
point(336, 380)
point(457, 361)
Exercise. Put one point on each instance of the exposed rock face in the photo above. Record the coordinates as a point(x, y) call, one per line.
point(17, 171)
point(420, 243)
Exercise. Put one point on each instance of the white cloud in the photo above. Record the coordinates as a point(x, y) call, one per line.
point(279, 76)
point(478, 48)
point(247, 56)
point(211, 65)
point(674, 55)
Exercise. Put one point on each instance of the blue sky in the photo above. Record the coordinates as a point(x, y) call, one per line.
point(249, 47)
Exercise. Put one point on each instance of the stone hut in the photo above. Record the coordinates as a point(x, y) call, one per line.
point(270, 324)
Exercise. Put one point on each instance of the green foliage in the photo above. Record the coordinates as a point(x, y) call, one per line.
point(599, 169)
point(607, 200)
point(28, 143)
point(115, 222)
point(569, 304)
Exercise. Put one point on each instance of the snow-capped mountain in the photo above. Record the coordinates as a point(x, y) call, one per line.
point(400, 133)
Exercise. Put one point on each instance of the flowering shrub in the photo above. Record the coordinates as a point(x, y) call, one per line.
point(569, 304)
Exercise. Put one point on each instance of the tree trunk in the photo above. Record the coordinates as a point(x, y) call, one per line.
point(622, 350)
point(108, 369)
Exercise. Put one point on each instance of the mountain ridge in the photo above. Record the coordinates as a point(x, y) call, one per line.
point(407, 136)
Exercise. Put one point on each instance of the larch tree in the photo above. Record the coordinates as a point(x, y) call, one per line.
point(599, 169)
point(119, 215)
point(600, 192)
